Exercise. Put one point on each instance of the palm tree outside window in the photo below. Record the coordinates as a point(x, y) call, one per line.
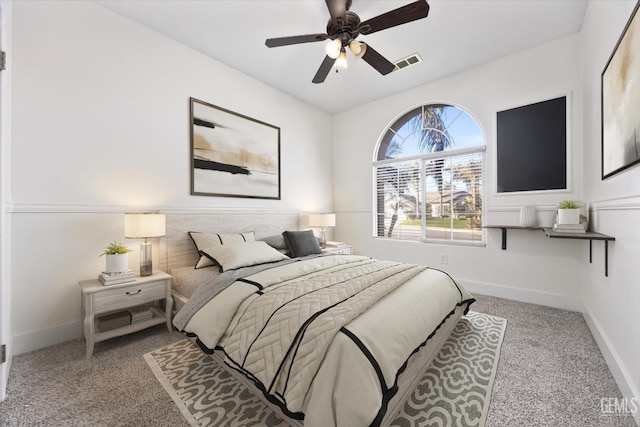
point(429, 177)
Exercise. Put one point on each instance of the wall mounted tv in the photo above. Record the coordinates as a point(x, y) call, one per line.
point(532, 147)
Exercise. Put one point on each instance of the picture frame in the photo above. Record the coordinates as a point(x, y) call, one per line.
point(233, 155)
point(620, 121)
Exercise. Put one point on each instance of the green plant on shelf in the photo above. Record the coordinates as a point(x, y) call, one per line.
point(115, 248)
point(569, 204)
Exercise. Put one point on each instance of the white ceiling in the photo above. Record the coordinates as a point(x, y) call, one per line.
point(457, 35)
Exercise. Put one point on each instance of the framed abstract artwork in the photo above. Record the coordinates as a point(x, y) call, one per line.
point(233, 155)
point(621, 102)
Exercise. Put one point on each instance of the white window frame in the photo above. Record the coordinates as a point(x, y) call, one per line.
point(424, 158)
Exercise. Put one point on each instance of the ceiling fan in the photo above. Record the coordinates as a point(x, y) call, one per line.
point(343, 29)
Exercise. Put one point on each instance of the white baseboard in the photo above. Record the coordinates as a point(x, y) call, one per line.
point(4, 375)
point(45, 338)
point(563, 302)
point(617, 368)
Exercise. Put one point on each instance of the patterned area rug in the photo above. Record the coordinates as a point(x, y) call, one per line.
point(455, 390)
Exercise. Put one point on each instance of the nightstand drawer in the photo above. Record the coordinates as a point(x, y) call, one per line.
point(122, 297)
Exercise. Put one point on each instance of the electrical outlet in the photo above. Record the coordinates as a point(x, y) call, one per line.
point(444, 258)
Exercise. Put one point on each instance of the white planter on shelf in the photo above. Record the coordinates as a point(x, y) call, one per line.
point(117, 263)
point(527, 216)
point(568, 216)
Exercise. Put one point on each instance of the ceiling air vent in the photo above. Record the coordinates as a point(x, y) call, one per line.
point(407, 62)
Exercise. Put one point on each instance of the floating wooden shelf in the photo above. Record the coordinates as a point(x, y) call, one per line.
point(504, 229)
point(587, 235)
point(549, 231)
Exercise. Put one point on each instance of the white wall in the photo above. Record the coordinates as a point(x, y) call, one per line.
point(533, 268)
point(611, 303)
point(101, 126)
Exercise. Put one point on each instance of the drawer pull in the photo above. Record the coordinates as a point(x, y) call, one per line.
point(134, 293)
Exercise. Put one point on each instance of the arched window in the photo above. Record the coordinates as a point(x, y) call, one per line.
point(429, 177)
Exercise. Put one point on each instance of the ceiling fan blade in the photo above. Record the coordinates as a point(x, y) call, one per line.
point(337, 10)
point(324, 69)
point(377, 61)
point(411, 12)
point(285, 41)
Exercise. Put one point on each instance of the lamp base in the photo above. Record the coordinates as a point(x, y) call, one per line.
point(146, 269)
point(146, 266)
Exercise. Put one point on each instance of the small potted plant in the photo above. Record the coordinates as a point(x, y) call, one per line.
point(569, 212)
point(117, 259)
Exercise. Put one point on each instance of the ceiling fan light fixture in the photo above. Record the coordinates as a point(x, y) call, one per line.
point(357, 49)
point(341, 61)
point(345, 26)
point(333, 48)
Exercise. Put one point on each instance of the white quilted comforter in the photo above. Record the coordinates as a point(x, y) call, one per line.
point(325, 338)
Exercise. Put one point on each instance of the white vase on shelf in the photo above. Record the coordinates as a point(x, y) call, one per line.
point(527, 216)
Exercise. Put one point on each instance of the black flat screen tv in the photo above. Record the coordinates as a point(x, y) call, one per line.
point(532, 147)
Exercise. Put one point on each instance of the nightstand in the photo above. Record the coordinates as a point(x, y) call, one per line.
point(341, 250)
point(98, 299)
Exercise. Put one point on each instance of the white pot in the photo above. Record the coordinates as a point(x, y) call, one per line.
point(527, 216)
point(568, 216)
point(117, 263)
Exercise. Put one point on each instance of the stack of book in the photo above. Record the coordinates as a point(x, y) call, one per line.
point(569, 228)
point(117, 277)
point(331, 244)
point(140, 314)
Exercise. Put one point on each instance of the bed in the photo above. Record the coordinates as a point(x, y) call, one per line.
point(326, 340)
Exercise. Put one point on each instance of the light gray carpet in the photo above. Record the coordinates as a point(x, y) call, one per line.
point(550, 373)
point(455, 390)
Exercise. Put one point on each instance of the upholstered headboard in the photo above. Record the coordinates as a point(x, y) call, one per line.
point(177, 249)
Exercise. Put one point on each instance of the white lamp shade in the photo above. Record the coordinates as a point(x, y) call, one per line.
point(358, 49)
point(322, 220)
point(333, 48)
point(143, 225)
point(341, 62)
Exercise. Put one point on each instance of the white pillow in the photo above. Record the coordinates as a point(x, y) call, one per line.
point(236, 255)
point(207, 240)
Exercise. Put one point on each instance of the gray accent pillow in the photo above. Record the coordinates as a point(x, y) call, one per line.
point(301, 243)
point(276, 241)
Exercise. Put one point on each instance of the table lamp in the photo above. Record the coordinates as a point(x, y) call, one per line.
point(322, 220)
point(144, 226)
